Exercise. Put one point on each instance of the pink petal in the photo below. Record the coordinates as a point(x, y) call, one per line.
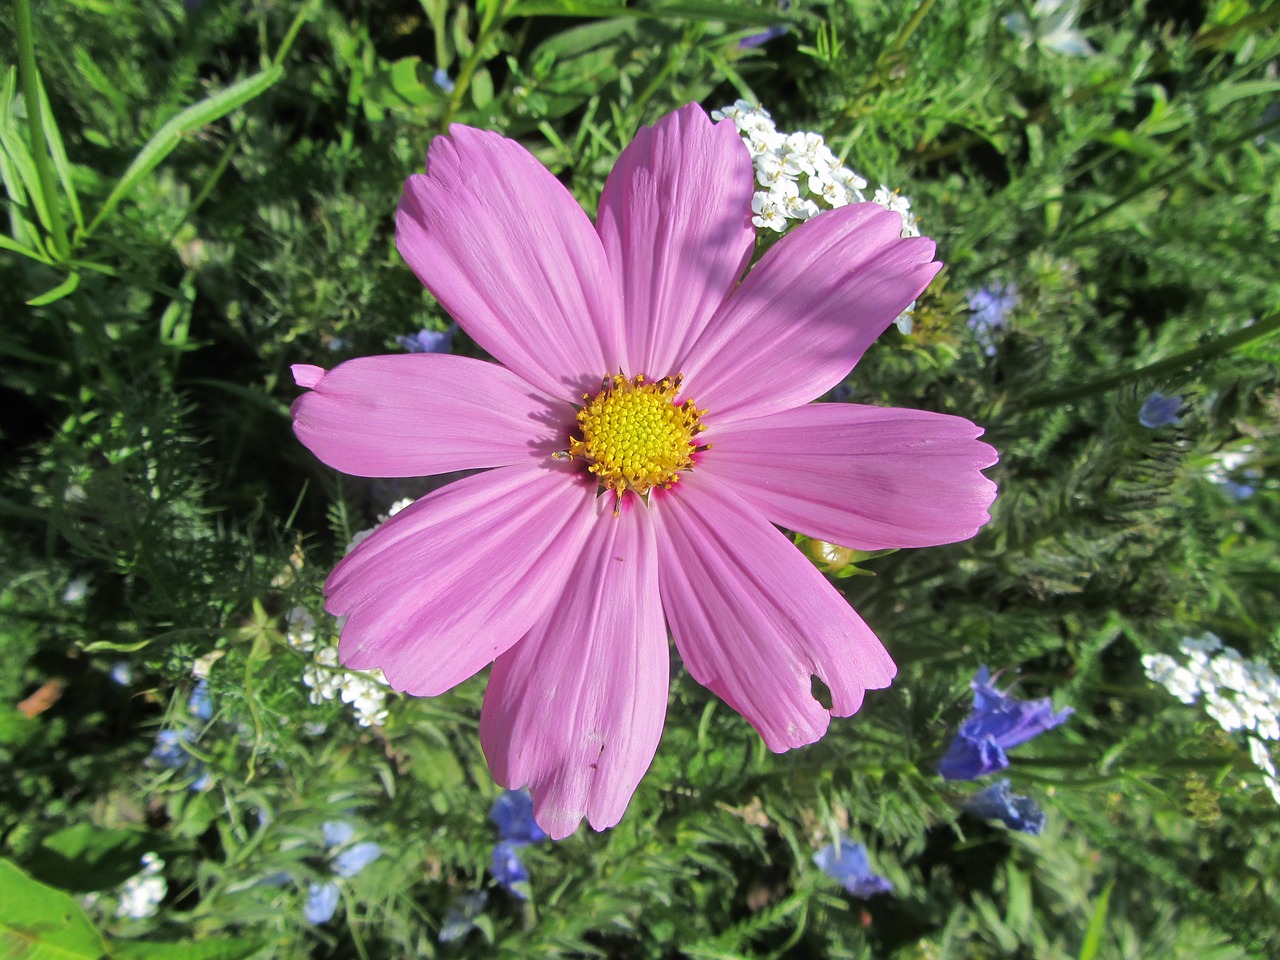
point(675, 220)
point(512, 257)
point(862, 477)
point(807, 312)
point(754, 620)
point(426, 413)
point(454, 580)
point(575, 710)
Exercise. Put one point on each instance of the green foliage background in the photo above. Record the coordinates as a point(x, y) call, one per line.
point(200, 195)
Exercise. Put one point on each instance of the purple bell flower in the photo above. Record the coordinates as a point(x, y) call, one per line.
point(847, 862)
point(997, 722)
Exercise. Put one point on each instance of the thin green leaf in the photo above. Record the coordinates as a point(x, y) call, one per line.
point(1097, 923)
point(61, 164)
point(64, 289)
point(14, 246)
point(229, 949)
point(168, 137)
point(671, 11)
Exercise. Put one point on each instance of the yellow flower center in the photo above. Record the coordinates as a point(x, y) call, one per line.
point(635, 435)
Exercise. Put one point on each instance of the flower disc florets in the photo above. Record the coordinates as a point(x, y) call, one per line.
point(635, 436)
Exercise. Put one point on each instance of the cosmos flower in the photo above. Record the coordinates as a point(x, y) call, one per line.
point(646, 425)
point(847, 862)
point(999, 802)
point(998, 722)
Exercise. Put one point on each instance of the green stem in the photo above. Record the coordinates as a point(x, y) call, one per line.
point(29, 74)
point(473, 61)
point(1215, 347)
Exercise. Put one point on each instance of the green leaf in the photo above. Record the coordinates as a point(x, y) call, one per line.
point(53, 138)
point(64, 289)
point(1097, 923)
point(171, 134)
point(41, 923)
point(229, 949)
point(1228, 93)
point(85, 858)
point(670, 11)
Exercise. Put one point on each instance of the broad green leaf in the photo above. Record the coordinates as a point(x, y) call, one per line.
point(41, 923)
point(84, 858)
point(171, 134)
point(229, 949)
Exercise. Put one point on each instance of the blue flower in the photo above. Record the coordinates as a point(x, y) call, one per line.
point(847, 862)
point(461, 918)
point(998, 802)
point(322, 902)
point(990, 305)
point(172, 750)
point(508, 869)
point(997, 723)
point(769, 33)
point(512, 814)
point(1160, 411)
point(429, 341)
point(201, 702)
point(336, 832)
point(441, 78)
point(351, 861)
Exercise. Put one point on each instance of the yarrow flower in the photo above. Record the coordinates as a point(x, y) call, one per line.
point(799, 177)
point(637, 440)
point(999, 802)
point(847, 862)
point(1160, 411)
point(1239, 694)
point(998, 722)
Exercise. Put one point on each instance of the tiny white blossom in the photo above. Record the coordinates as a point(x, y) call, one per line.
point(141, 894)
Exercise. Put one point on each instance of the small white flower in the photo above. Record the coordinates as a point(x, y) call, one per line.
point(1052, 26)
point(141, 894)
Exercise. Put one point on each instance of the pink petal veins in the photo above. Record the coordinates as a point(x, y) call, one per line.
point(755, 621)
point(454, 580)
point(416, 415)
point(575, 710)
point(512, 257)
point(862, 477)
point(675, 220)
point(807, 312)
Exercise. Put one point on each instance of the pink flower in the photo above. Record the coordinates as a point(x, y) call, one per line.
point(616, 499)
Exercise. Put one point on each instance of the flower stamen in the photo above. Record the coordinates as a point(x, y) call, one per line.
point(635, 435)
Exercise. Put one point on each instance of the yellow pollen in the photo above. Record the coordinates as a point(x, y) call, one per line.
point(635, 436)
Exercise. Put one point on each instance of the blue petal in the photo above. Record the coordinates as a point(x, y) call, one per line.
point(429, 341)
point(201, 702)
point(998, 802)
point(336, 832)
point(322, 902)
point(848, 863)
point(350, 862)
point(508, 869)
point(512, 814)
point(1160, 411)
point(968, 758)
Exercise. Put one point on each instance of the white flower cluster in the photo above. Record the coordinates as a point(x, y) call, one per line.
point(364, 690)
point(1239, 694)
point(141, 894)
point(797, 170)
point(799, 177)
